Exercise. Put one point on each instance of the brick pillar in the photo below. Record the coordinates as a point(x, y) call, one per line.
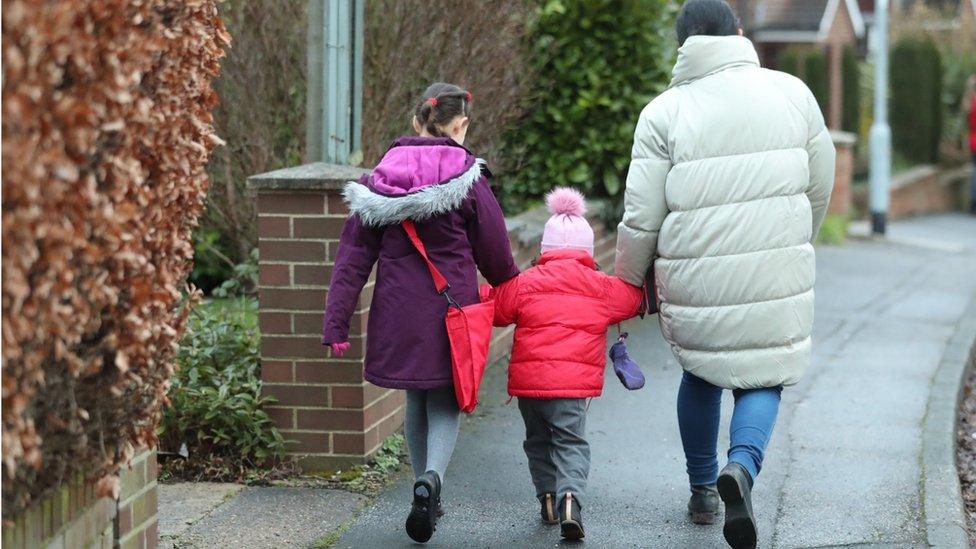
point(323, 405)
point(840, 200)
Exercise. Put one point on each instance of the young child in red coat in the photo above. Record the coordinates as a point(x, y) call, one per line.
point(561, 309)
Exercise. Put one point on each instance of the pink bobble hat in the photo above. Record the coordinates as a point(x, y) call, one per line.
point(568, 227)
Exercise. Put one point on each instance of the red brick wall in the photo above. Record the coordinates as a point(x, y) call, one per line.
point(926, 189)
point(74, 517)
point(922, 190)
point(136, 525)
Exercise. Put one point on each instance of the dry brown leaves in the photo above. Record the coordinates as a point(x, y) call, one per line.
point(106, 132)
point(410, 44)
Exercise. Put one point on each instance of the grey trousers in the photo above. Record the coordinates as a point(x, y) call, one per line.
point(559, 456)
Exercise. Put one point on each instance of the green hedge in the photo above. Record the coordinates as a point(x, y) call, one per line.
point(810, 66)
point(216, 413)
point(851, 74)
point(815, 75)
point(595, 64)
point(916, 100)
point(789, 61)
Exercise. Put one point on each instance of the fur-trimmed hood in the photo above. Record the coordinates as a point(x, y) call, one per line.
point(418, 178)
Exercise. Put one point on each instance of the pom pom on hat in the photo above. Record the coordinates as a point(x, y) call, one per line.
point(566, 201)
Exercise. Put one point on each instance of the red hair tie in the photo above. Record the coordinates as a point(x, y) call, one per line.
point(432, 101)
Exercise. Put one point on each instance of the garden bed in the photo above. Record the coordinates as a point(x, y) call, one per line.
point(966, 453)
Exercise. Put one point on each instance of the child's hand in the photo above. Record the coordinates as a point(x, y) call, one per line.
point(339, 349)
point(486, 292)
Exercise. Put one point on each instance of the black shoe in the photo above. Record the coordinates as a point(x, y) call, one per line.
point(703, 504)
point(422, 520)
point(548, 502)
point(570, 518)
point(735, 489)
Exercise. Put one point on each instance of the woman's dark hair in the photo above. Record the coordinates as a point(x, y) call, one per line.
point(705, 17)
point(440, 104)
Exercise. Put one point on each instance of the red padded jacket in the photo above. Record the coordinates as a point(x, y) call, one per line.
point(561, 309)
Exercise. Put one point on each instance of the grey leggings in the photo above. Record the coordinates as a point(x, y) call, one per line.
point(431, 428)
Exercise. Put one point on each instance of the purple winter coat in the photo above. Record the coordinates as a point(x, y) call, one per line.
point(444, 189)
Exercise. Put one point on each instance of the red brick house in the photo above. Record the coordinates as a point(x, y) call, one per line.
point(832, 25)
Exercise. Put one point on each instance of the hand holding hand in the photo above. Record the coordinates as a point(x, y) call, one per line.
point(340, 348)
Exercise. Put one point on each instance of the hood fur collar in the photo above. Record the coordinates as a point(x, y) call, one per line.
point(376, 210)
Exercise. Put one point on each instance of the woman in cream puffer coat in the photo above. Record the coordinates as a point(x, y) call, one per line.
point(730, 178)
point(731, 173)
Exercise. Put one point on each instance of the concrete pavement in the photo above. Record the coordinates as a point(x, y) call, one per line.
point(843, 468)
point(212, 515)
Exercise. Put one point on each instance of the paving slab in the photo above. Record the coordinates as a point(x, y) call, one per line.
point(843, 467)
point(184, 503)
point(269, 517)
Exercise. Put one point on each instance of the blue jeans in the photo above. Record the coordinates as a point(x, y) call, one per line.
point(699, 409)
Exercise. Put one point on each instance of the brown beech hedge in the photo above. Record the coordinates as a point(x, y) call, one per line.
point(106, 132)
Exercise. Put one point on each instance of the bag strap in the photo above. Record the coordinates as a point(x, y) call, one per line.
point(439, 281)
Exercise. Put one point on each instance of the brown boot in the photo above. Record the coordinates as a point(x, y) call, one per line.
point(549, 515)
point(570, 518)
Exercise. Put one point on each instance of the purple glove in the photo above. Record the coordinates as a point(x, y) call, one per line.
point(626, 369)
point(339, 349)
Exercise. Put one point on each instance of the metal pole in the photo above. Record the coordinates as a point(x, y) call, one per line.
point(880, 176)
point(335, 66)
point(314, 47)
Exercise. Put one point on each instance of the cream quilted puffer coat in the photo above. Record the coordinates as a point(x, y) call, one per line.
point(731, 174)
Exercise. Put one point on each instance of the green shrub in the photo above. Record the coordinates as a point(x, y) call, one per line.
point(958, 66)
point(810, 66)
point(815, 75)
point(916, 100)
point(595, 64)
point(851, 75)
point(833, 231)
point(215, 406)
point(242, 281)
point(789, 61)
point(211, 266)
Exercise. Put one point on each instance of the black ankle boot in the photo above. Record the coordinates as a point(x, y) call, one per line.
point(703, 504)
point(735, 488)
point(548, 502)
point(570, 518)
point(422, 520)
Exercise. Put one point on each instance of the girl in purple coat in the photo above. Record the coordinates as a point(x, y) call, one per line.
point(433, 180)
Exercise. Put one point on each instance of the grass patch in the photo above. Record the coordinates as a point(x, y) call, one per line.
point(245, 306)
point(330, 539)
point(368, 479)
point(834, 230)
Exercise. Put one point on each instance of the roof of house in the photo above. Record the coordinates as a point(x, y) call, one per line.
point(790, 14)
point(797, 20)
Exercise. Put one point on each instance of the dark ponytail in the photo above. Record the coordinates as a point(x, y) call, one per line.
point(440, 104)
point(705, 18)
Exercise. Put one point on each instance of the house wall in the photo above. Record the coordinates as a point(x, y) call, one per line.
point(840, 36)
